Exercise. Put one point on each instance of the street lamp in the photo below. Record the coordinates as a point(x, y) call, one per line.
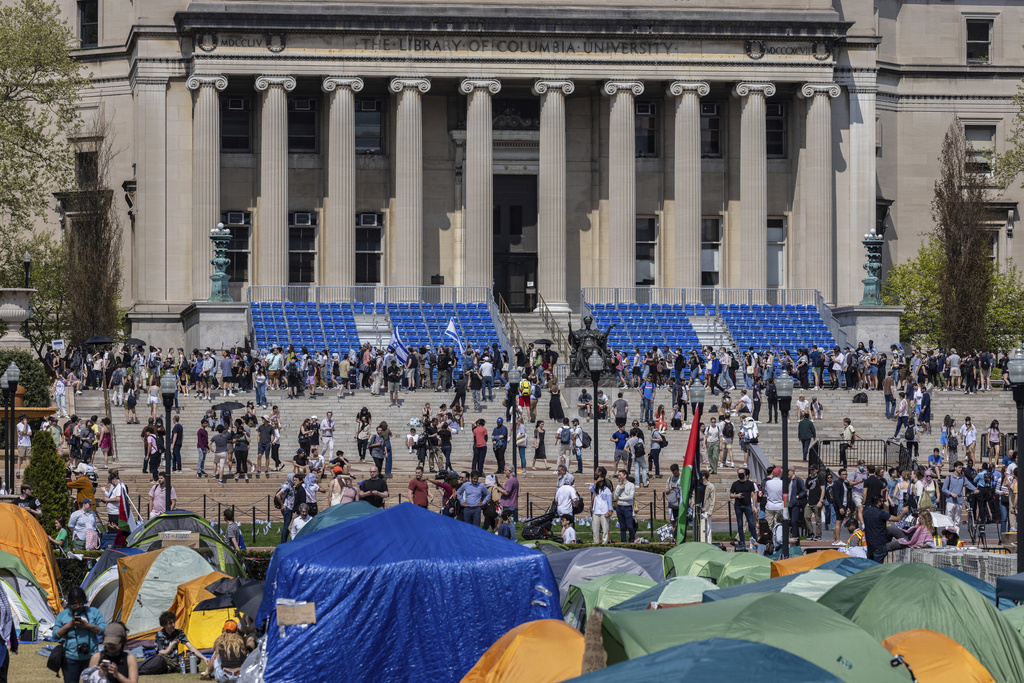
point(168, 383)
point(784, 388)
point(8, 470)
point(10, 389)
point(514, 377)
point(1015, 369)
point(596, 364)
point(27, 258)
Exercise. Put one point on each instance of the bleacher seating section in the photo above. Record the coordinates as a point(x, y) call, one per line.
point(646, 325)
point(788, 327)
point(424, 324)
point(316, 326)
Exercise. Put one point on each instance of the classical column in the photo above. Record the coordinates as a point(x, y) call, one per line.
point(338, 232)
point(753, 234)
point(406, 249)
point(479, 231)
point(622, 183)
point(863, 199)
point(686, 189)
point(205, 176)
point(551, 188)
point(151, 173)
point(815, 243)
point(271, 243)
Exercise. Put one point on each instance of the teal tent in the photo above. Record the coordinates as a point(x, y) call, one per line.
point(810, 584)
point(337, 514)
point(679, 590)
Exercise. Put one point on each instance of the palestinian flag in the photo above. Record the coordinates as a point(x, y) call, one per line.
point(126, 522)
point(686, 477)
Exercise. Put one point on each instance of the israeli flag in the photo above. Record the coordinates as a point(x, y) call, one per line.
point(399, 347)
point(453, 333)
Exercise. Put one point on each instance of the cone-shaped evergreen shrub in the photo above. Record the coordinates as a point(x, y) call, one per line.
point(46, 475)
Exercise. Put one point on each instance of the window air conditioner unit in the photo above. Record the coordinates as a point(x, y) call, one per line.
point(645, 108)
point(709, 108)
point(368, 220)
point(236, 218)
point(237, 104)
point(302, 219)
point(303, 105)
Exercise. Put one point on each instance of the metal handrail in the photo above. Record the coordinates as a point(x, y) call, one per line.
point(505, 314)
point(552, 325)
point(433, 294)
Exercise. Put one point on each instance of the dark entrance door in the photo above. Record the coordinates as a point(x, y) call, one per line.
point(515, 240)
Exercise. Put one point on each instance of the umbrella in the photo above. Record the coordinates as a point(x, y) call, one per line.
point(546, 342)
point(228, 405)
point(133, 341)
point(98, 340)
point(226, 586)
point(247, 598)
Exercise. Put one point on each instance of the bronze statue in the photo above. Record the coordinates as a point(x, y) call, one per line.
point(583, 343)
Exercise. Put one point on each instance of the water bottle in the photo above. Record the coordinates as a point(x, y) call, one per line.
point(181, 664)
point(193, 664)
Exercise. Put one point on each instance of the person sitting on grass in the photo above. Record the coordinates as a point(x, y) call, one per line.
point(229, 653)
point(165, 661)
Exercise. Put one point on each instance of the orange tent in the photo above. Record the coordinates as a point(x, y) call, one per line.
point(22, 536)
point(935, 657)
point(543, 651)
point(191, 594)
point(806, 562)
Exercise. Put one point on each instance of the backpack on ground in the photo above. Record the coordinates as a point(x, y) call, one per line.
point(860, 398)
point(585, 440)
point(728, 431)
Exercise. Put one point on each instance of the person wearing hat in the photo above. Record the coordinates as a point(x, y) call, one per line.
point(112, 661)
point(83, 525)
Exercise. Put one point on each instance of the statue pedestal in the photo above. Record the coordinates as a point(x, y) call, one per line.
point(14, 310)
point(863, 323)
point(214, 324)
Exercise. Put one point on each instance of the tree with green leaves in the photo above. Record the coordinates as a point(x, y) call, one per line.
point(46, 475)
point(47, 276)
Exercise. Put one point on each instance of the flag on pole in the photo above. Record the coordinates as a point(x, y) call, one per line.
point(686, 477)
point(399, 347)
point(452, 332)
point(126, 522)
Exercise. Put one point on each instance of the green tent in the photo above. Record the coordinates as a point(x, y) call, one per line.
point(337, 514)
point(788, 622)
point(212, 545)
point(602, 592)
point(810, 584)
point(1015, 616)
point(899, 597)
point(680, 590)
point(688, 559)
point(25, 596)
point(738, 568)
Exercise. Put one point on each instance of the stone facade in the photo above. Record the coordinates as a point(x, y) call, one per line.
point(733, 145)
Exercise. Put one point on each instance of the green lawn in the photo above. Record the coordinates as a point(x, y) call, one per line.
point(28, 667)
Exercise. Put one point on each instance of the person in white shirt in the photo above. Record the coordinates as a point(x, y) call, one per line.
point(60, 396)
point(568, 533)
point(773, 503)
point(300, 521)
point(712, 437)
point(968, 437)
point(487, 373)
point(112, 497)
point(24, 441)
point(327, 435)
point(564, 498)
point(601, 509)
point(802, 406)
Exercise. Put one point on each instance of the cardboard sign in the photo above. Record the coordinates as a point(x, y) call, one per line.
point(299, 614)
point(189, 539)
point(57, 344)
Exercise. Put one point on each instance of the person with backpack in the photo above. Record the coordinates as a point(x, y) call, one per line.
point(658, 441)
point(912, 437)
point(771, 392)
point(728, 431)
point(637, 452)
point(564, 438)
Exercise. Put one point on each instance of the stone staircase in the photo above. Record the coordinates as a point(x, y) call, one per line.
point(532, 327)
point(537, 488)
point(712, 331)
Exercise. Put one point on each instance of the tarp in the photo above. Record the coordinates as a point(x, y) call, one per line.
point(212, 545)
point(1010, 587)
point(201, 626)
point(811, 585)
point(689, 559)
point(897, 597)
point(543, 651)
point(578, 566)
point(736, 568)
point(378, 584)
point(679, 590)
point(803, 563)
point(936, 658)
point(21, 536)
point(602, 592)
point(149, 583)
point(848, 566)
point(788, 622)
point(715, 659)
point(337, 514)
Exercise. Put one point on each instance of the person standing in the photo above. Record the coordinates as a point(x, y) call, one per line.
point(327, 434)
point(968, 437)
point(840, 496)
point(875, 519)
point(158, 497)
point(202, 448)
point(815, 486)
point(177, 436)
point(285, 499)
point(499, 442)
point(741, 492)
point(773, 499)
point(24, 443)
point(419, 491)
point(375, 489)
point(473, 495)
point(509, 500)
point(601, 508)
point(796, 502)
point(648, 392)
point(624, 494)
point(953, 489)
point(79, 627)
point(479, 445)
point(713, 439)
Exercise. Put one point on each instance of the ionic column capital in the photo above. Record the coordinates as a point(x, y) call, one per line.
point(267, 82)
point(809, 90)
point(678, 88)
point(197, 81)
point(760, 88)
point(541, 87)
point(615, 87)
point(492, 85)
point(399, 84)
point(332, 83)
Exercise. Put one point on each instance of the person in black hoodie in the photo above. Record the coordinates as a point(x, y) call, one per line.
point(840, 495)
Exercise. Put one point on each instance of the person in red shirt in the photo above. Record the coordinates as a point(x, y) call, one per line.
point(419, 491)
point(479, 445)
point(447, 482)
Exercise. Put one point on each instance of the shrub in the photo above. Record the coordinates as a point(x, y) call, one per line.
point(46, 475)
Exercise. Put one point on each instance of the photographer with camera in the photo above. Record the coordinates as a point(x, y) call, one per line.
point(79, 628)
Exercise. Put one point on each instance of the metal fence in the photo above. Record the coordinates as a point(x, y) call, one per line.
point(836, 453)
point(369, 294)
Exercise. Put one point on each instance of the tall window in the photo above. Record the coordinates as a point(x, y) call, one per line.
point(89, 22)
point(87, 169)
point(710, 130)
point(646, 129)
point(302, 125)
point(979, 41)
point(235, 124)
point(710, 252)
point(369, 126)
point(302, 247)
point(646, 250)
point(776, 252)
point(240, 224)
point(369, 248)
point(982, 140)
point(775, 130)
